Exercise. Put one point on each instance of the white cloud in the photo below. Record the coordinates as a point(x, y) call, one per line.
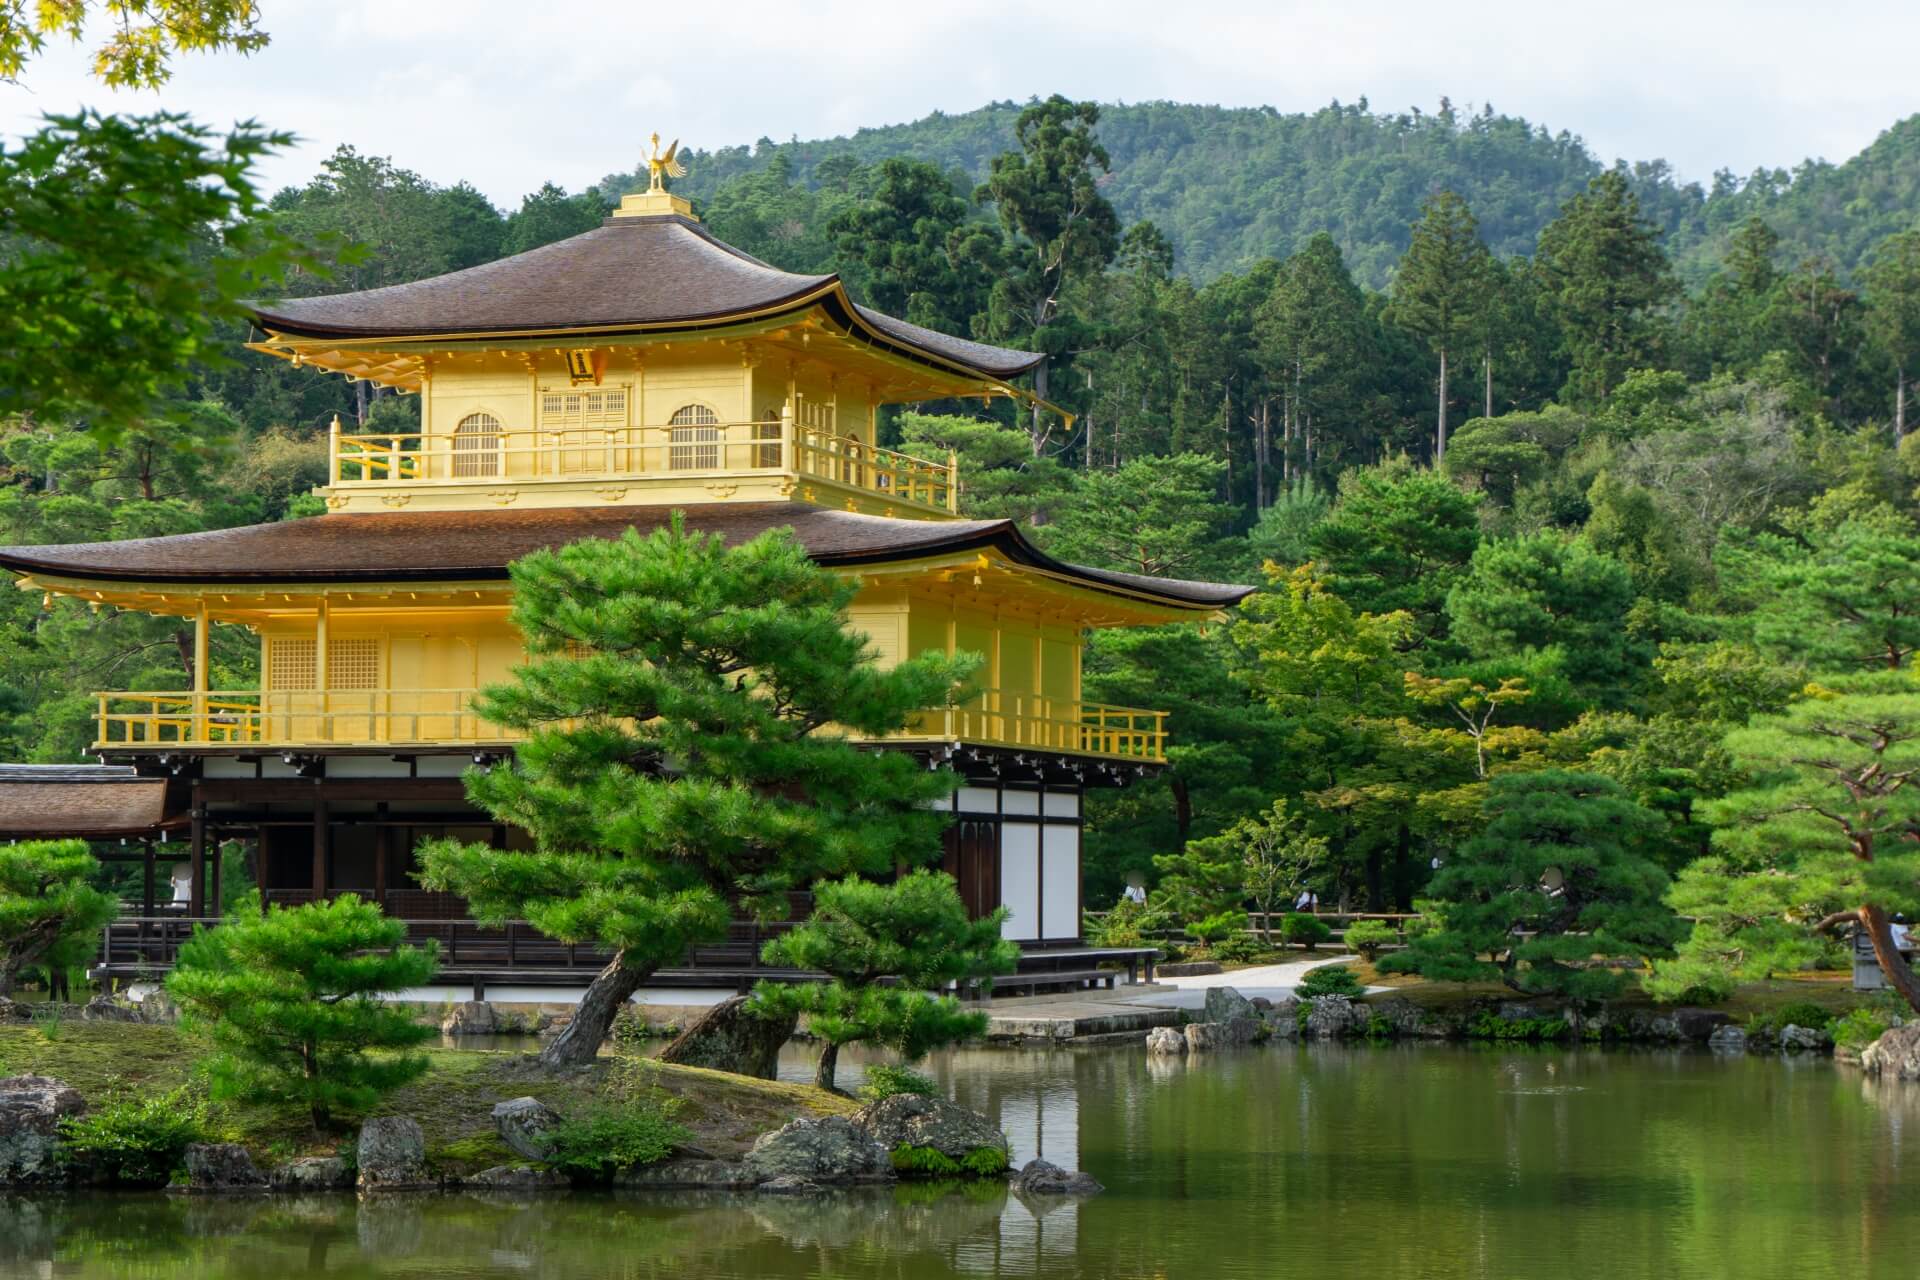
point(507, 95)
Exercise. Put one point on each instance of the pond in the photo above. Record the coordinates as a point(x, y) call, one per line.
point(1315, 1161)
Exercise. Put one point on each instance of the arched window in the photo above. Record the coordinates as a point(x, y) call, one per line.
point(476, 446)
point(694, 439)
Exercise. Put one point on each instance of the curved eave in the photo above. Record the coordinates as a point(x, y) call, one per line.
point(830, 295)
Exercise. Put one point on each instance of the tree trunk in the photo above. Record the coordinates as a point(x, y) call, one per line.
point(1182, 810)
point(1488, 361)
point(1440, 432)
point(579, 1042)
point(1892, 963)
point(1260, 461)
point(829, 1059)
point(1899, 404)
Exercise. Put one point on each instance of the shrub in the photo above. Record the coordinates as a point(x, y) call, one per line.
point(1491, 1026)
point(290, 999)
point(601, 1141)
point(49, 910)
point(1801, 1013)
point(885, 1080)
point(1215, 929)
point(981, 1162)
point(1368, 936)
point(135, 1142)
point(1239, 948)
point(1308, 931)
point(1329, 980)
point(1860, 1028)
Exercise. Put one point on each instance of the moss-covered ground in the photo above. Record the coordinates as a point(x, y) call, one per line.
point(1830, 989)
point(453, 1102)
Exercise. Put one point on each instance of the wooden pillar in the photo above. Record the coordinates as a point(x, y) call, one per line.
point(197, 858)
point(320, 620)
point(382, 845)
point(200, 628)
point(319, 842)
point(219, 902)
point(260, 865)
point(146, 878)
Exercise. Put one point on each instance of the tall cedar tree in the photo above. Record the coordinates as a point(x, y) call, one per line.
point(1893, 313)
point(898, 237)
point(1440, 286)
point(1605, 276)
point(291, 999)
point(1059, 230)
point(688, 707)
point(1822, 837)
point(1316, 343)
point(1558, 880)
point(915, 934)
point(48, 910)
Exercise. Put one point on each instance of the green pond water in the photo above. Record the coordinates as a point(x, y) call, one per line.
point(1320, 1162)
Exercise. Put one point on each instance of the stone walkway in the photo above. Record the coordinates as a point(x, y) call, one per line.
point(1084, 1014)
point(1274, 981)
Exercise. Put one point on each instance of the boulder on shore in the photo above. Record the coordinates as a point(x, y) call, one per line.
point(393, 1155)
point(31, 1108)
point(915, 1120)
point(687, 1173)
point(1334, 1017)
point(107, 1009)
point(518, 1177)
point(1224, 1004)
point(729, 1038)
point(312, 1173)
point(1795, 1039)
point(470, 1018)
point(526, 1125)
point(221, 1167)
point(1728, 1039)
point(1895, 1055)
point(1206, 1037)
point(820, 1149)
point(1166, 1041)
point(1042, 1178)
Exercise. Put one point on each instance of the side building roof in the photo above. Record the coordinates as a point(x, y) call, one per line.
point(628, 274)
point(478, 545)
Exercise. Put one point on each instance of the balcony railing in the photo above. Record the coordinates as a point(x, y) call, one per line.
point(659, 453)
point(432, 717)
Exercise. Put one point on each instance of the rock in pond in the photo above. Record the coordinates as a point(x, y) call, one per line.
point(1283, 1020)
point(221, 1167)
point(1895, 1055)
point(31, 1108)
point(470, 1018)
point(1166, 1041)
point(1795, 1039)
point(729, 1038)
point(518, 1177)
point(1224, 1004)
point(688, 1173)
point(526, 1125)
point(788, 1185)
point(1728, 1040)
point(312, 1173)
point(1333, 1017)
point(1206, 1037)
point(393, 1155)
point(1041, 1178)
point(915, 1120)
point(820, 1149)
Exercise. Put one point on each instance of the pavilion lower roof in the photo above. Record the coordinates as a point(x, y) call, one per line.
point(479, 545)
point(82, 801)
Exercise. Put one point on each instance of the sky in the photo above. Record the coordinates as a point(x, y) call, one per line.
point(508, 94)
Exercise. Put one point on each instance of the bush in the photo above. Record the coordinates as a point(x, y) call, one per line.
point(1491, 1026)
point(1238, 948)
point(135, 1142)
point(1329, 980)
point(1308, 931)
point(1368, 936)
point(1216, 929)
point(884, 1080)
point(981, 1162)
point(1802, 1013)
point(601, 1141)
point(1860, 1028)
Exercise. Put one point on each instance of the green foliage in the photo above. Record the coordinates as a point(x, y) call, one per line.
point(1604, 275)
point(1218, 927)
point(1238, 948)
point(1557, 881)
point(1370, 937)
point(914, 930)
point(1397, 541)
point(135, 1142)
point(1860, 1027)
point(884, 1079)
point(1329, 980)
point(598, 1142)
point(1802, 1013)
point(290, 1000)
point(1491, 1026)
point(1843, 594)
point(49, 914)
point(1297, 927)
point(1545, 591)
point(981, 1162)
point(1157, 516)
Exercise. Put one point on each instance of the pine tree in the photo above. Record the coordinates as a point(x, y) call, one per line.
point(1605, 276)
point(1440, 285)
point(1559, 880)
point(913, 933)
point(687, 707)
point(48, 908)
point(1893, 313)
point(291, 999)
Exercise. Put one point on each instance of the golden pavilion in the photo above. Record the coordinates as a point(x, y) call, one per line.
point(574, 391)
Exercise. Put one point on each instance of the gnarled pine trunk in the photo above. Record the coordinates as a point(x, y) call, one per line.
point(829, 1059)
point(580, 1040)
point(1892, 963)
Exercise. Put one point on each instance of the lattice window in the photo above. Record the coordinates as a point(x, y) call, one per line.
point(353, 662)
point(571, 410)
point(290, 663)
point(476, 446)
point(692, 426)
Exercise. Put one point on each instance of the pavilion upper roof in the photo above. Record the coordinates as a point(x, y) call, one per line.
point(630, 274)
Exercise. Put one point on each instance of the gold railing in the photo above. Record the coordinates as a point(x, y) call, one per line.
point(701, 451)
point(420, 717)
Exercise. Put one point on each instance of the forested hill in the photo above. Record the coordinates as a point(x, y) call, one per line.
point(1231, 186)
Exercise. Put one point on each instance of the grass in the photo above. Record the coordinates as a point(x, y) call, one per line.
point(453, 1102)
point(1830, 989)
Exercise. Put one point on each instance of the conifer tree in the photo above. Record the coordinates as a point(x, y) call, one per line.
point(48, 908)
point(688, 707)
point(1559, 879)
point(1893, 313)
point(291, 999)
point(1605, 275)
point(1440, 284)
point(913, 932)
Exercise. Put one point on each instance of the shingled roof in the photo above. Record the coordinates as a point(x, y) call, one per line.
point(54, 801)
point(478, 546)
point(629, 273)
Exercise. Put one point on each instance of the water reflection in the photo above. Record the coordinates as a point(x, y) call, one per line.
point(1329, 1161)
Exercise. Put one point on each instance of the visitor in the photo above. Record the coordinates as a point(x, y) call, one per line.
point(1307, 901)
point(1135, 892)
point(1902, 937)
